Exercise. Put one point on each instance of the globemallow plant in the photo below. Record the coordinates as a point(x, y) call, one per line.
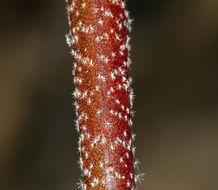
point(99, 43)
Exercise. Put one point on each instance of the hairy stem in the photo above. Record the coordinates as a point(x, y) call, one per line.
point(99, 41)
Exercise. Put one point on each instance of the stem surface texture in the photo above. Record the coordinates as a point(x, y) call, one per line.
point(100, 44)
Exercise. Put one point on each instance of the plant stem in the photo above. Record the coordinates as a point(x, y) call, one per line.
point(100, 43)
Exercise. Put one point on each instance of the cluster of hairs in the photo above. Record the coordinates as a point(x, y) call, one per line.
point(99, 43)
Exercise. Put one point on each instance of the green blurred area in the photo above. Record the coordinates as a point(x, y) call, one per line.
point(175, 79)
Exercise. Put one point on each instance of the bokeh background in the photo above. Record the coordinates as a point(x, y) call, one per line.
point(175, 74)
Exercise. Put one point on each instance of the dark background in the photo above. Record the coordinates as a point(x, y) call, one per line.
point(175, 74)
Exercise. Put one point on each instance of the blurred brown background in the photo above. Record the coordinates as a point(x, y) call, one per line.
point(175, 74)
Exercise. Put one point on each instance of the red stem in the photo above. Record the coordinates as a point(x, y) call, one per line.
point(99, 41)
